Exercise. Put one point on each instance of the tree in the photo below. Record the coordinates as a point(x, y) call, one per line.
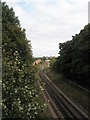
point(52, 61)
point(18, 74)
point(74, 57)
point(43, 58)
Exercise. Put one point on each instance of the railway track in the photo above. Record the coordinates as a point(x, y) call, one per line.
point(84, 89)
point(68, 109)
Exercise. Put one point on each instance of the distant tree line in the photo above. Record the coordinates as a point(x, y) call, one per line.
point(74, 57)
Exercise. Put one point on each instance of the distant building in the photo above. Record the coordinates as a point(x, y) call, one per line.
point(89, 12)
point(48, 62)
point(36, 62)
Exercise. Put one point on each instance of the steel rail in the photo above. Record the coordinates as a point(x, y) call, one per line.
point(69, 109)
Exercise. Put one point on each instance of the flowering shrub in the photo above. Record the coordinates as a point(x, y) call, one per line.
point(19, 91)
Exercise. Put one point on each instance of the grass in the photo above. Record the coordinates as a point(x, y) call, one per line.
point(46, 112)
point(77, 95)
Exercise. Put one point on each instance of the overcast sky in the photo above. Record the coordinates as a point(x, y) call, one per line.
point(50, 22)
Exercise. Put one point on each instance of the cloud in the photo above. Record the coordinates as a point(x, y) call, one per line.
point(49, 22)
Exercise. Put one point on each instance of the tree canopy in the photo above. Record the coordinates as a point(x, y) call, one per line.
point(19, 92)
point(74, 57)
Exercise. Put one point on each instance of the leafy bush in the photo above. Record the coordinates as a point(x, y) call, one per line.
point(18, 74)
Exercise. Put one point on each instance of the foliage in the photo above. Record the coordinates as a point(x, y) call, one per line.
point(19, 92)
point(52, 61)
point(74, 59)
point(43, 58)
